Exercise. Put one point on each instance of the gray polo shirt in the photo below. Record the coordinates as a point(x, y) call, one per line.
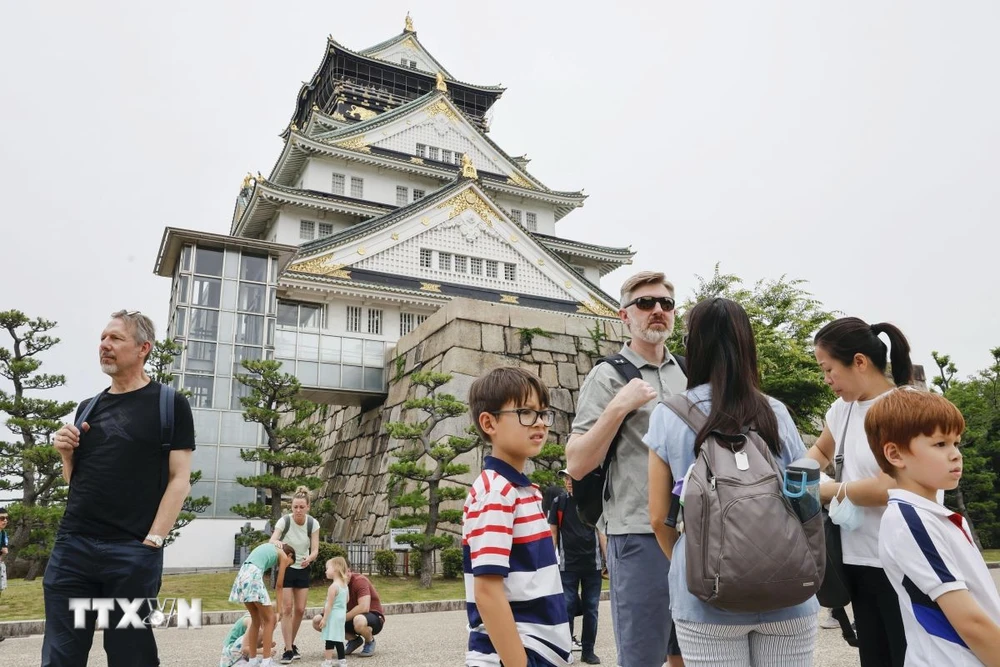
point(627, 510)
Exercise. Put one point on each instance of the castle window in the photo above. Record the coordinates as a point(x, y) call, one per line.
point(337, 184)
point(307, 230)
point(402, 195)
point(357, 187)
point(510, 272)
point(354, 318)
point(425, 258)
point(532, 220)
point(492, 267)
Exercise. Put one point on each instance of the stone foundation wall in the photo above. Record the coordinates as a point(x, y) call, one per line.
point(465, 339)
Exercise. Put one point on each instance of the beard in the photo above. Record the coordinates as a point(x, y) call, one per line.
point(108, 367)
point(652, 336)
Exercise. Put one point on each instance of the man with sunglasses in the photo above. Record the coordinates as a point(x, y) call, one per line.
point(128, 478)
point(613, 410)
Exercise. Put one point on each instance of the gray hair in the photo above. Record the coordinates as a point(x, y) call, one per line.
point(644, 278)
point(143, 329)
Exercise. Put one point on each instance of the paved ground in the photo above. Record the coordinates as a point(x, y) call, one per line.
point(413, 640)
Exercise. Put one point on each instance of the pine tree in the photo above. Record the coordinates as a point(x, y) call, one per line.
point(29, 464)
point(420, 489)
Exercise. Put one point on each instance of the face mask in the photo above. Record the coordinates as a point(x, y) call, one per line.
point(844, 513)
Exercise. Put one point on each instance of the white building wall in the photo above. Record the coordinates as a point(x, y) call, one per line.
point(379, 184)
point(206, 543)
point(545, 212)
point(286, 229)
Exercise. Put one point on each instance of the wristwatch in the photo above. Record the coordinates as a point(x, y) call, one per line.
point(155, 539)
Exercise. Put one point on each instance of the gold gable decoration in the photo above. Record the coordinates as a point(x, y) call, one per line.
point(319, 267)
point(519, 181)
point(355, 144)
point(465, 201)
point(468, 169)
point(593, 306)
point(441, 107)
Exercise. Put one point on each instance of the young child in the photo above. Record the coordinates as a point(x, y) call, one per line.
point(249, 589)
point(235, 648)
point(506, 541)
point(331, 624)
point(949, 602)
point(3, 549)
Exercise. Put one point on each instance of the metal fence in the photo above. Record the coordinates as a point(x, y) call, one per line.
point(361, 558)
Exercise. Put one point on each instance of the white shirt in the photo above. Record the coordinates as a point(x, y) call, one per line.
point(860, 546)
point(927, 551)
point(298, 538)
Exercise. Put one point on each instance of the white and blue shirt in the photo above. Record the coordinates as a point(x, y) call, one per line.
point(673, 441)
point(927, 551)
point(505, 532)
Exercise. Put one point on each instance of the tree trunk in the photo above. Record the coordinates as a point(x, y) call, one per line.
point(433, 503)
point(426, 568)
point(33, 570)
point(960, 501)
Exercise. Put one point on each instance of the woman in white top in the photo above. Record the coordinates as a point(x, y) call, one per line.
point(854, 361)
point(301, 532)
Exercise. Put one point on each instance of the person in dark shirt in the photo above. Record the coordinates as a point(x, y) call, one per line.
point(121, 503)
point(365, 617)
point(580, 552)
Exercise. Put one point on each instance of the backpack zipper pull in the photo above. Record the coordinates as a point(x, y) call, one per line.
point(715, 588)
point(711, 482)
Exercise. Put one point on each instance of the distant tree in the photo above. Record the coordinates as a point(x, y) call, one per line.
point(292, 441)
point(548, 463)
point(29, 464)
point(785, 317)
point(158, 365)
point(978, 493)
point(420, 488)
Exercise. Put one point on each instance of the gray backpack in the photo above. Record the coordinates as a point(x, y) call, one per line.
point(288, 525)
point(746, 549)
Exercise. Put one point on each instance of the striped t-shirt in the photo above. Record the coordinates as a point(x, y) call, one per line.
point(505, 533)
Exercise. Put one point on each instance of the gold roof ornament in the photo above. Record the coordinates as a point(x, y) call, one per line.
point(246, 180)
point(468, 169)
point(409, 24)
point(441, 85)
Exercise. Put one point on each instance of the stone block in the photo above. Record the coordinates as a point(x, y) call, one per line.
point(559, 356)
point(492, 338)
point(556, 343)
point(529, 318)
point(614, 330)
point(561, 424)
point(549, 375)
point(398, 391)
point(530, 367)
point(541, 356)
point(478, 311)
point(457, 333)
point(562, 400)
point(459, 386)
point(580, 326)
point(512, 341)
point(584, 363)
point(568, 377)
point(473, 362)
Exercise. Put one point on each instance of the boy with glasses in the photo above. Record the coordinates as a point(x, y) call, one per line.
point(513, 589)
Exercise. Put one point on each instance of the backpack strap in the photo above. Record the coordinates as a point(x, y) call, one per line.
point(89, 408)
point(685, 408)
point(629, 372)
point(167, 395)
point(288, 524)
point(310, 522)
point(681, 363)
point(838, 460)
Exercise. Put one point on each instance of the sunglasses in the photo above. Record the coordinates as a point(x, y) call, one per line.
point(649, 302)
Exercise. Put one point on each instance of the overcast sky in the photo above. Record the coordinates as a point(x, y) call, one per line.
point(851, 144)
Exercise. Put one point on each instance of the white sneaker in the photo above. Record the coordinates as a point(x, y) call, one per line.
point(828, 622)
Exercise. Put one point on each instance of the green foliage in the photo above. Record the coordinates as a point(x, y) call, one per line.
point(249, 537)
point(400, 364)
point(190, 510)
point(385, 562)
point(528, 335)
point(978, 398)
point(292, 438)
point(785, 318)
point(548, 463)
point(327, 550)
point(597, 336)
point(29, 466)
point(423, 476)
point(451, 562)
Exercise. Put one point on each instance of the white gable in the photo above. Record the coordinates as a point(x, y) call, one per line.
point(409, 49)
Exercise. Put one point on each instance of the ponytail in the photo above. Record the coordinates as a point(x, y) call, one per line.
point(899, 352)
point(845, 337)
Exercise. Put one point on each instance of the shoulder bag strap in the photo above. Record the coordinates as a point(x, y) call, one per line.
point(838, 460)
point(85, 413)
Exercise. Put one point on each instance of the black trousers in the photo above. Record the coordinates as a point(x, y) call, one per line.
point(86, 567)
point(879, 623)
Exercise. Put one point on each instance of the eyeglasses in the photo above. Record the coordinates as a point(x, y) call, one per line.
point(649, 302)
point(529, 417)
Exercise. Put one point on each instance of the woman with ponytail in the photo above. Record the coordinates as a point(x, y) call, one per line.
point(855, 359)
point(301, 531)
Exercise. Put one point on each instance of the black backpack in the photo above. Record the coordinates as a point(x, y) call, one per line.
point(591, 491)
point(167, 393)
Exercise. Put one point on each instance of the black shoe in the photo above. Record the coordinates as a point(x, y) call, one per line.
point(590, 658)
point(353, 645)
point(295, 653)
point(577, 646)
point(287, 657)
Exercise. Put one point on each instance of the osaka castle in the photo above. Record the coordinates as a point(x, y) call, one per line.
point(387, 200)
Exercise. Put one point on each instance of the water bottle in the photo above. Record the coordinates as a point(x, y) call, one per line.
point(801, 487)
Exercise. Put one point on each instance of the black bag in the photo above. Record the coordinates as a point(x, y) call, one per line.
point(835, 591)
point(591, 491)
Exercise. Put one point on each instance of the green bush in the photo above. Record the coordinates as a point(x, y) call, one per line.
point(416, 562)
point(317, 571)
point(451, 562)
point(385, 562)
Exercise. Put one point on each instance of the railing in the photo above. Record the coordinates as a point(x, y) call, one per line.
point(361, 558)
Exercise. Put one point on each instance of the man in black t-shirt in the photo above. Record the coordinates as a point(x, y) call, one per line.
point(580, 551)
point(121, 504)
